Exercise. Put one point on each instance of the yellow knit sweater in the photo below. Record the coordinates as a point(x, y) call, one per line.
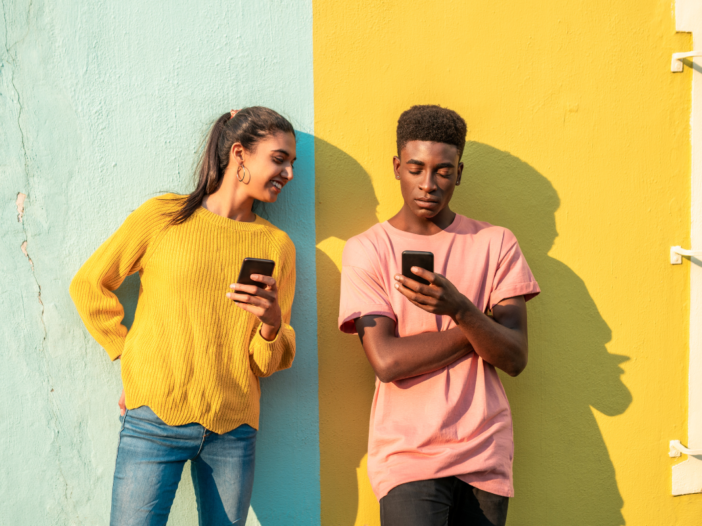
point(191, 354)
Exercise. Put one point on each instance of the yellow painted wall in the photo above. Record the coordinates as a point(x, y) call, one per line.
point(579, 144)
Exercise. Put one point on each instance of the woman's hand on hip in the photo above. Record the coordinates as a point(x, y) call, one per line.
point(122, 404)
point(261, 302)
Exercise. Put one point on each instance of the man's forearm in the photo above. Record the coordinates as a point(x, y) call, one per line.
point(496, 343)
point(430, 351)
point(395, 358)
point(501, 340)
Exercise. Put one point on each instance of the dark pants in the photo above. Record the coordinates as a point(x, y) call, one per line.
point(442, 502)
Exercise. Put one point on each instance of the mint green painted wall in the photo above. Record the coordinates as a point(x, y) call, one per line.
point(102, 105)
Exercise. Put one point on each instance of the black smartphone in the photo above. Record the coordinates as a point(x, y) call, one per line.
point(255, 266)
point(415, 258)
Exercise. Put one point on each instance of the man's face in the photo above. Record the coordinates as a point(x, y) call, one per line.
point(428, 173)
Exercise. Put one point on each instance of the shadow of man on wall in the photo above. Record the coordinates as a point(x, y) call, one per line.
point(346, 207)
point(563, 472)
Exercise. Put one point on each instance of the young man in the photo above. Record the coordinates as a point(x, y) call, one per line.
point(440, 446)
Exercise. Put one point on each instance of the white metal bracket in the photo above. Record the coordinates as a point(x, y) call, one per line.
point(676, 64)
point(676, 449)
point(687, 475)
point(677, 252)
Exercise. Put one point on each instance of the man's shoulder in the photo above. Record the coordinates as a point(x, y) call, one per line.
point(471, 226)
point(372, 235)
point(364, 245)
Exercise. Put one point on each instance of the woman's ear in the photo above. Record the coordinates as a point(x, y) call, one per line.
point(237, 153)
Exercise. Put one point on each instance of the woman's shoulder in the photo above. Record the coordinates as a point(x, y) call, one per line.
point(279, 236)
point(167, 202)
point(161, 204)
point(155, 211)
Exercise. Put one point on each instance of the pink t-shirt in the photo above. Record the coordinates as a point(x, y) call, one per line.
point(455, 421)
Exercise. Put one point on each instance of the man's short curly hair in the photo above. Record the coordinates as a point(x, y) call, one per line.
point(431, 123)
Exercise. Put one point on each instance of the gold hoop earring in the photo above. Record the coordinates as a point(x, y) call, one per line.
point(241, 179)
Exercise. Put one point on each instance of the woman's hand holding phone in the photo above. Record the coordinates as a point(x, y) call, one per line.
point(261, 302)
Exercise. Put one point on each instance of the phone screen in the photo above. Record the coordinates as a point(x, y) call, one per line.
point(255, 266)
point(415, 258)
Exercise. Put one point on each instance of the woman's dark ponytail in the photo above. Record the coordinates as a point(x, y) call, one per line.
point(247, 126)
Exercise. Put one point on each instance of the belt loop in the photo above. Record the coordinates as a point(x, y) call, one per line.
point(202, 440)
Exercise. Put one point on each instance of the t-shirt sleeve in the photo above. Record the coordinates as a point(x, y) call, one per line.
point(362, 289)
point(513, 276)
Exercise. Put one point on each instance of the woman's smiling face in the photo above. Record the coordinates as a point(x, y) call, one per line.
point(269, 167)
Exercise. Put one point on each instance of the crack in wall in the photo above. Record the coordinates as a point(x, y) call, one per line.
point(27, 20)
point(21, 197)
point(23, 247)
point(13, 62)
point(20, 109)
point(4, 17)
point(53, 409)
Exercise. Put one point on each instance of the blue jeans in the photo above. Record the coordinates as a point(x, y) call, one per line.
point(150, 460)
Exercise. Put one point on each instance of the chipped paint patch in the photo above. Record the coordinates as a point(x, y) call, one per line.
point(20, 207)
point(24, 251)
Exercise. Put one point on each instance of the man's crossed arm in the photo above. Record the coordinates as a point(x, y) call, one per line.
point(500, 339)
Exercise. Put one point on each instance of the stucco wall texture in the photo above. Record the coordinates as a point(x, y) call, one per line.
point(103, 105)
point(579, 143)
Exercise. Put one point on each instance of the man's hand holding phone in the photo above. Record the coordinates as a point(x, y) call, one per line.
point(440, 296)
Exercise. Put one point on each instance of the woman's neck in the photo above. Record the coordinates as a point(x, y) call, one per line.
point(230, 201)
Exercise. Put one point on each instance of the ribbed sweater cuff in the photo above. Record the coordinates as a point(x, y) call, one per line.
point(268, 354)
point(276, 344)
point(114, 348)
point(283, 325)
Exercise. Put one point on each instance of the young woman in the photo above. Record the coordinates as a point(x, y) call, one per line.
point(199, 342)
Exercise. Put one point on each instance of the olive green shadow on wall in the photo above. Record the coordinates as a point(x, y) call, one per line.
point(346, 206)
point(563, 471)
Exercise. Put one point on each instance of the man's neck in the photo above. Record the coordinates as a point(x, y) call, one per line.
point(407, 221)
